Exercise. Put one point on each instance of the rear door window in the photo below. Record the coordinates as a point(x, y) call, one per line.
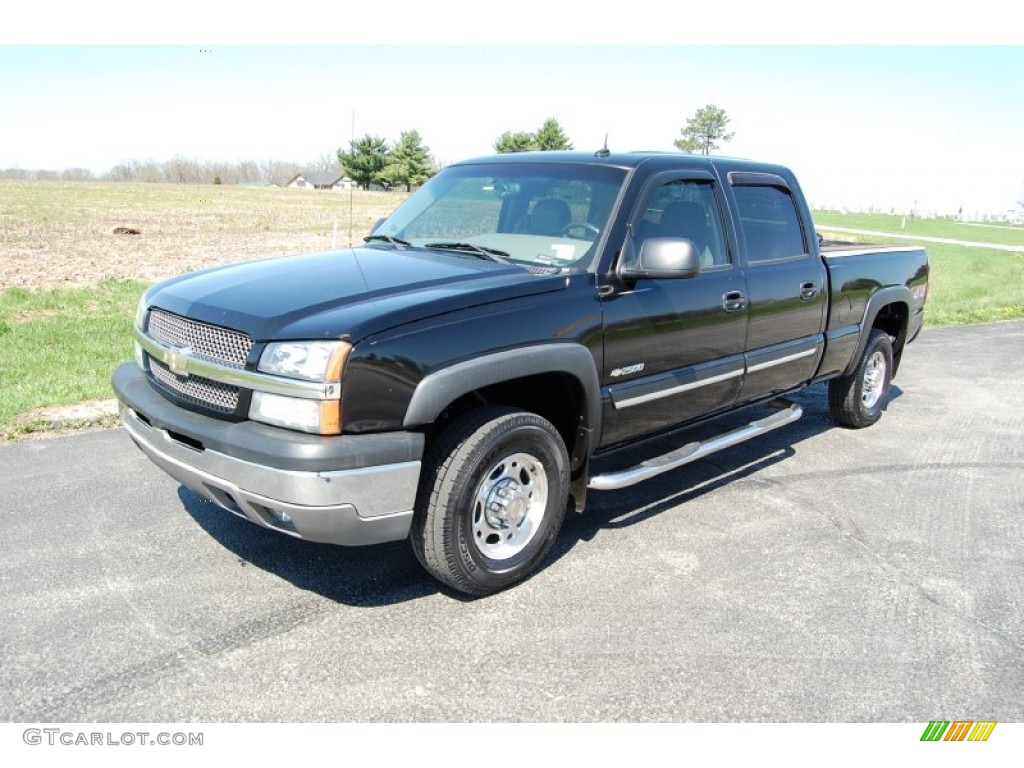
point(770, 224)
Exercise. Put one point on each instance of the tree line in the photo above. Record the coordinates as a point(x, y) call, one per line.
point(548, 138)
point(181, 170)
point(369, 160)
point(702, 135)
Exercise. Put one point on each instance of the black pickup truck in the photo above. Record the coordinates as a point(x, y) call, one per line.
point(453, 380)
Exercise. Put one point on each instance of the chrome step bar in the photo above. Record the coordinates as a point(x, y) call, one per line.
point(788, 413)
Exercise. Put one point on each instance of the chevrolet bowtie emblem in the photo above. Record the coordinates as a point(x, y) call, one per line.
point(177, 360)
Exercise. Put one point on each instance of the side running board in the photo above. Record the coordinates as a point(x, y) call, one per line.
point(788, 413)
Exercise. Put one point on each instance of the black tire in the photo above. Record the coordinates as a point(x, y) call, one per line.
point(857, 400)
point(491, 500)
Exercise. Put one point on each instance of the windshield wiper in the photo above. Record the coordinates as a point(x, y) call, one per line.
point(387, 239)
point(492, 254)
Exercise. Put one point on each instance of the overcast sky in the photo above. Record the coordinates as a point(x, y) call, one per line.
point(882, 126)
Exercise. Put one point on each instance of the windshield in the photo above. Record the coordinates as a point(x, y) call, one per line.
point(546, 215)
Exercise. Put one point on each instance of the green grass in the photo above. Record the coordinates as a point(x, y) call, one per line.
point(59, 347)
point(1002, 234)
point(973, 285)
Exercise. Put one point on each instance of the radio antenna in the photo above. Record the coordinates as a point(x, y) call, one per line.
point(351, 192)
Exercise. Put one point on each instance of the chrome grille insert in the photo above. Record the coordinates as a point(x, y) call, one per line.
point(207, 341)
point(196, 389)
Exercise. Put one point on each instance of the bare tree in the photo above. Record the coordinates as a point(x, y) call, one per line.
point(326, 162)
point(76, 174)
point(248, 172)
point(278, 172)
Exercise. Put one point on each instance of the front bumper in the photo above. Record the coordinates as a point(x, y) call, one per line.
point(348, 490)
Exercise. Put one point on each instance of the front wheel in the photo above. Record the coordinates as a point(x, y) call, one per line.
point(491, 501)
point(856, 400)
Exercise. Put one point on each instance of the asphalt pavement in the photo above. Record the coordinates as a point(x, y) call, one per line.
point(816, 574)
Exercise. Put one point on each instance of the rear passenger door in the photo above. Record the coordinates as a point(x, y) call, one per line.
point(786, 284)
point(674, 347)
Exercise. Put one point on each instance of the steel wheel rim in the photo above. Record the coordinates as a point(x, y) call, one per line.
point(874, 380)
point(509, 506)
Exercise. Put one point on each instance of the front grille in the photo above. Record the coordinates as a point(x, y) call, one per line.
point(196, 389)
point(219, 345)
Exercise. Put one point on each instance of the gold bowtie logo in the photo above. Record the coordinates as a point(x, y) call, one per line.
point(177, 360)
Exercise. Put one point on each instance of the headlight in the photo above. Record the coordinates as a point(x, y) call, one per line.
point(320, 361)
point(309, 360)
point(322, 417)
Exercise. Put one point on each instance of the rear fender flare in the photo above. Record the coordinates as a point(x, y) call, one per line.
point(897, 294)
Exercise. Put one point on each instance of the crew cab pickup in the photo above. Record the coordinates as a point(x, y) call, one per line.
point(453, 380)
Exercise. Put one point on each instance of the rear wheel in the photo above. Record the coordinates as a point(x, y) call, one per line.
point(856, 400)
point(491, 500)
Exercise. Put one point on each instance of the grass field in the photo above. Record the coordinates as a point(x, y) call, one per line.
point(967, 285)
point(68, 285)
point(954, 230)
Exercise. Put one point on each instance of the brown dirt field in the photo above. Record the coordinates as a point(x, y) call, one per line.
point(60, 234)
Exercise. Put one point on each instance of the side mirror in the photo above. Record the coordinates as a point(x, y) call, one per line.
point(377, 224)
point(660, 258)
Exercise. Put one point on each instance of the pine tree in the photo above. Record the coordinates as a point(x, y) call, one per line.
point(704, 130)
point(365, 160)
point(551, 136)
point(520, 141)
point(410, 162)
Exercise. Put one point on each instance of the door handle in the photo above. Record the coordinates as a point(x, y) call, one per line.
point(808, 291)
point(734, 301)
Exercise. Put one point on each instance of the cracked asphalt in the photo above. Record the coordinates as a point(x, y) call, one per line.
point(816, 574)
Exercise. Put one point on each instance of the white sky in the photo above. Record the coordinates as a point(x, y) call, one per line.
point(877, 125)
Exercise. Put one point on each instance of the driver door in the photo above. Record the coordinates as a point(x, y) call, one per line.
point(674, 347)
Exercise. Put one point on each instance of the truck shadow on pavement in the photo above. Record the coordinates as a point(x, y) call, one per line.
point(386, 574)
point(612, 510)
point(378, 575)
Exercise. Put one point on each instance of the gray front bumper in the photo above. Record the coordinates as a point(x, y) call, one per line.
point(352, 506)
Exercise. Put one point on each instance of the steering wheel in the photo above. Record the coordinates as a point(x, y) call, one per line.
point(586, 226)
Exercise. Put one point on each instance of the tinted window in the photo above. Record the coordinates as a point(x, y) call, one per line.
point(770, 223)
point(686, 209)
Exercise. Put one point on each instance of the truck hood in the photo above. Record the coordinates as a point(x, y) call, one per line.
point(353, 293)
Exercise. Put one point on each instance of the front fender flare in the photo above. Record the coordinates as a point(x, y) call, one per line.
point(439, 389)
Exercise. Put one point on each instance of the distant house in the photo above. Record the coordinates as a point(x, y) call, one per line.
point(321, 180)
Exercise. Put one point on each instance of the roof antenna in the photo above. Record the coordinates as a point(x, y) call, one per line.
point(603, 151)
